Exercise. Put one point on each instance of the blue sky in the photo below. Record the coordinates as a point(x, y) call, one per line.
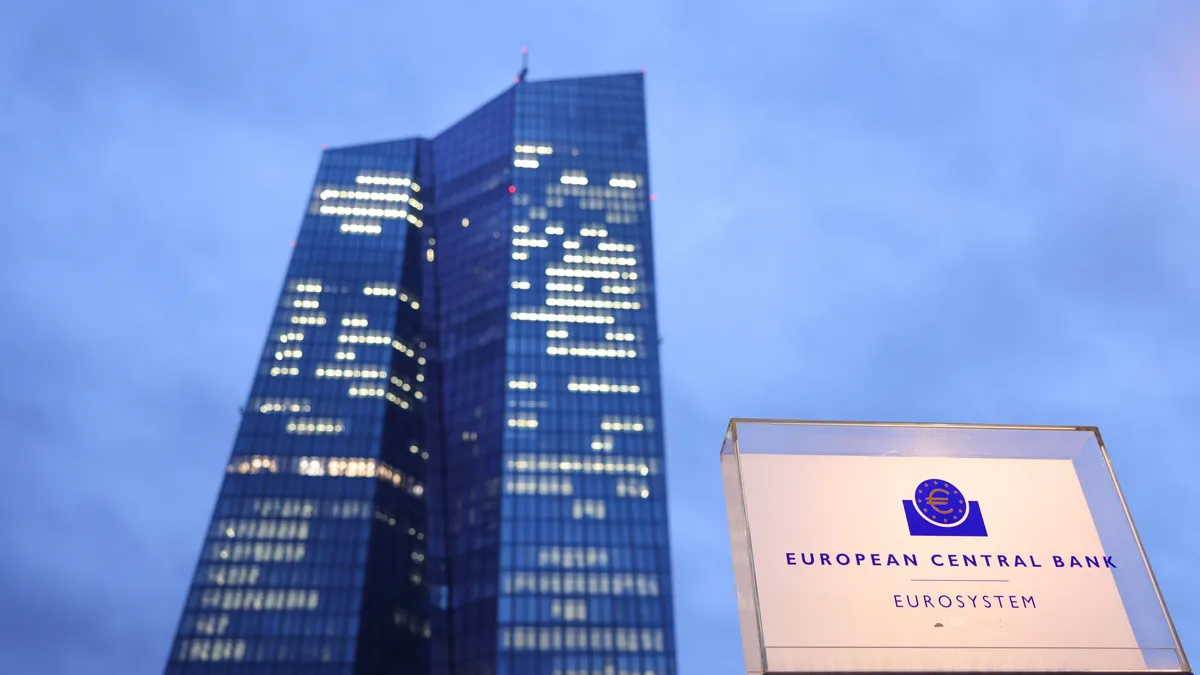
point(884, 210)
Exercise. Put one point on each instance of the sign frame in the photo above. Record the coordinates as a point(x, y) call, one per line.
point(1154, 631)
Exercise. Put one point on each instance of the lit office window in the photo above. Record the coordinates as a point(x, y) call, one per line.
point(588, 350)
point(601, 386)
point(351, 371)
point(539, 486)
point(592, 303)
point(588, 464)
point(560, 318)
point(304, 426)
point(274, 405)
point(599, 260)
point(306, 286)
point(523, 422)
point(397, 179)
point(620, 248)
point(361, 228)
point(611, 423)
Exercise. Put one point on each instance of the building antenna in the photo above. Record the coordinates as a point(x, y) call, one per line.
point(524, 64)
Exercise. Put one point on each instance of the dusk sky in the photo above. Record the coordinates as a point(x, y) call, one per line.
point(961, 211)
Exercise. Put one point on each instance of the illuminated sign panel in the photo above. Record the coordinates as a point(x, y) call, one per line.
point(903, 548)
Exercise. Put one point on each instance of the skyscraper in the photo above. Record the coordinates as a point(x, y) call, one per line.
point(452, 459)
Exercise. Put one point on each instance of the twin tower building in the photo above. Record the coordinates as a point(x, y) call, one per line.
point(451, 460)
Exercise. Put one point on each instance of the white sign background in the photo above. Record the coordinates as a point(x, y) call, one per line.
point(831, 618)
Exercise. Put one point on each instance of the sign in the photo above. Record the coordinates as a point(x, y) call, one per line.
point(931, 560)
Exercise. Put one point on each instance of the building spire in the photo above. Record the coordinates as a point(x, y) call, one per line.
point(524, 64)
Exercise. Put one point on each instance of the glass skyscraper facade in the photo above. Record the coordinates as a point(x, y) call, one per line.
point(451, 461)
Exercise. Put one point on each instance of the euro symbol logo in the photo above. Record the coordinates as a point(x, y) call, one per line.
point(939, 497)
point(941, 503)
point(939, 509)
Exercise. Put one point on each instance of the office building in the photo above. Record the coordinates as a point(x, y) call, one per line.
point(451, 461)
